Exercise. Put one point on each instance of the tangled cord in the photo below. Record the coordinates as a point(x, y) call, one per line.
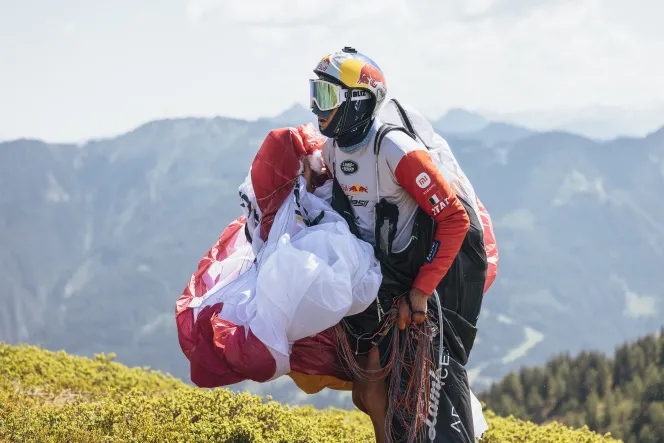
point(407, 371)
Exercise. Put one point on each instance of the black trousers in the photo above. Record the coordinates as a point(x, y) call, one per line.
point(450, 417)
point(449, 414)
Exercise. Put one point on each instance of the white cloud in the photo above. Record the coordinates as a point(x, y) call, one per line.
point(69, 28)
point(508, 55)
point(640, 305)
point(196, 9)
point(206, 57)
point(275, 13)
point(575, 183)
point(636, 305)
point(518, 219)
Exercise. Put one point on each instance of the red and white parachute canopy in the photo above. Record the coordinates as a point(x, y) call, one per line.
point(261, 309)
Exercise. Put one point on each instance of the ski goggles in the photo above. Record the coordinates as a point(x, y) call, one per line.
point(328, 96)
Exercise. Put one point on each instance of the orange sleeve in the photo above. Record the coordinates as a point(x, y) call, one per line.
point(417, 174)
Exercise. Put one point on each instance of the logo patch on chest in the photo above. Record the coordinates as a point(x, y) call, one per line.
point(349, 167)
point(357, 202)
point(354, 189)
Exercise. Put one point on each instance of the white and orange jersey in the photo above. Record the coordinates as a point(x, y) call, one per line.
point(403, 174)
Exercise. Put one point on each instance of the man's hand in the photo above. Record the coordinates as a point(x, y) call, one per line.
point(418, 300)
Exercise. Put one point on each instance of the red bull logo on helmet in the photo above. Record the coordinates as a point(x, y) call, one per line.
point(363, 74)
point(370, 76)
point(323, 64)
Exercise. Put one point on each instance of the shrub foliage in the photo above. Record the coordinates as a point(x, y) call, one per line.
point(55, 397)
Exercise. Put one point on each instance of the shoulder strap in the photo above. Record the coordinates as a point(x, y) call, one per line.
point(380, 135)
point(383, 131)
point(407, 123)
point(404, 117)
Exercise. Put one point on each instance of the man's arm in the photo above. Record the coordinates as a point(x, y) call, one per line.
point(418, 175)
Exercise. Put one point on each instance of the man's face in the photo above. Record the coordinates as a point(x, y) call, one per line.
point(325, 122)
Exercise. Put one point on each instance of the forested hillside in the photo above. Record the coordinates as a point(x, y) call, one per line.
point(623, 394)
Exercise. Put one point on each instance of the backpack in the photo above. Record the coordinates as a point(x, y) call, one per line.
point(483, 245)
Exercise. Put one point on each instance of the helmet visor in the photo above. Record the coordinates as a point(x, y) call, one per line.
point(325, 95)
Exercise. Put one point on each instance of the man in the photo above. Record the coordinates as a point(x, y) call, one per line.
point(394, 197)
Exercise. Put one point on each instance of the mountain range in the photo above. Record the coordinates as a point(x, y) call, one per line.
point(99, 239)
point(596, 122)
point(601, 123)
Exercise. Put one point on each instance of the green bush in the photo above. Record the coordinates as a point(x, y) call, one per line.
point(54, 397)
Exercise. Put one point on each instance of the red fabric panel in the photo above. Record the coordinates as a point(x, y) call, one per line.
point(273, 172)
point(318, 355)
point(213, 369)
point(276, 166)
point(311, 138)
point(247, 356)
point(489, 245)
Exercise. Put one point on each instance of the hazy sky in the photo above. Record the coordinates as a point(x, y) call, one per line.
point(73, 69)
